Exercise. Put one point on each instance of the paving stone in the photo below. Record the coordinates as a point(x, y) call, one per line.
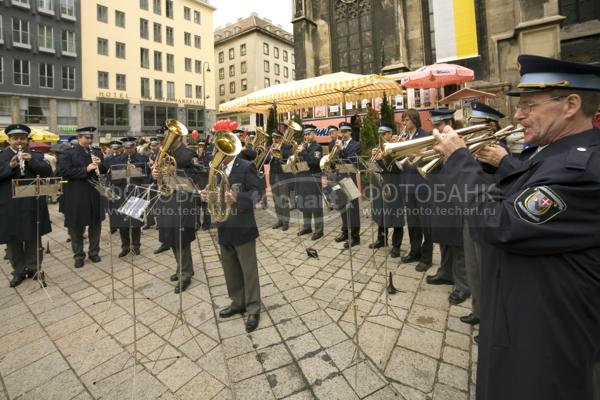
point(316, 319)
point(318, 367)
point(274, 357)
point(265, 337)
point(244, 366)
point(63, 386)
point(456, 357)
point(257, 387)
point(178, 374)
point(335, 388)
point(304, 346)
point(377, 342)
point(35, 374)
point(285, 381)
point(458, 340)
point(329, 335)
point(26, 355)
point(363, 379)
point(453, 376)
point(202, 386)
point(443, 392)
point(422, 340)
point(428, 317)
point(412, 369)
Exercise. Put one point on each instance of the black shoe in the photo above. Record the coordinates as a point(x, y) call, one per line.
point(205, 227)
point(29, 273)
point(277, 225)
point(285, 228)
point(39, 277)
point(161, 248)
point(95, 259)
point(79, 263)
point(395, 253)
point(174, 278)
point(422, 266)
point(458, 296)
point(476, 339)
point(353, 242)
point(341, 238)
point(252, 322)
point(136, 251)
point(470, 319)
point(123, 253)
point(316, 236)
point(377, 245)
point(113, 230)
point(230, 312)
point(410, 258)
point(304, 232)
point(181, 286)
point(436, 280)
point(16, 280)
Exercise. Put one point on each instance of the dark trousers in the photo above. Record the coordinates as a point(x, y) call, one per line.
point(150, 219)
point(596, 379)
point(21, 254)
point(397, 234)
point(241, 276)
point(184, 262)
point(453, 266)
point(317, 215)
point(77, 240)
point(472, 266)
point(281, 197)
point(419, 230)
point(203, 217)
point(127, 239)
point(352, 212)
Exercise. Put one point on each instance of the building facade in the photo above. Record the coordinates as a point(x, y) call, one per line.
point(40, 63)
point(251, 54)
point(146, 61)
point(391, 36)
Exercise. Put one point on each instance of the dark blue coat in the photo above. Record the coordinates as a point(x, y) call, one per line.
point(83, 205)
point(240, 227)
point(540, 281)
point(19, 215)
point(276, 173)
point(387, 197)
point(308, 184)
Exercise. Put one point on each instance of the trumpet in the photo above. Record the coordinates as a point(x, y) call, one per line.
point(327, 162)
point(473, 144)
point(260, 146)
point(226, 144)
point(288, 137)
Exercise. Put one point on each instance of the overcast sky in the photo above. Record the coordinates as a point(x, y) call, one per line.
point(278, 11)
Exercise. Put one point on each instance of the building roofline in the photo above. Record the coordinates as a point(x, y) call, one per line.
point(252, 30)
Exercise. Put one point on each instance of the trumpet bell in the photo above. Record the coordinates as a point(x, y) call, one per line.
point(293, 125)
point(324, 162)
point(228, 143)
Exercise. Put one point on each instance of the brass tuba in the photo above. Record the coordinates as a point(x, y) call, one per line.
point(260, 146)
point(288, 137)
point(226, 144)
point(327, 161)
point(166, 165)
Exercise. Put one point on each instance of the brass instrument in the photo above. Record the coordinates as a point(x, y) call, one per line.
point(295, 164)
point(226, 144)
point(260, 146)
point(327, 161)
point(165, 164)
point(21, 160)
point(473, 144)
point(288, 137)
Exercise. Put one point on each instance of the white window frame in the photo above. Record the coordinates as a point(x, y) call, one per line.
point(124, 50)
point(198, 90)
point(170, 38)
point(198, 66)
point(147, 81)
point(158, 84)
point(1, 30)
point(187, 13)
point(1, 69)
point(21, 61)
point(117, 13)
point(67, 5)
point(157, 32)
point(197, 41)
point(65, 49)
point(101, 7)
point(45, 75)
point(68, 69)
point(158, 66)
point(188, 93)
point(107, 80)
point(244, 85)
point(197, 17)
point(43, 36)
point(187, 64)
point(46, 6)
point(187, 38)
point(20, 43)
point(117, 76)
point(22, 3)
point(98, 46)
point(170, 63)
point(170, 90)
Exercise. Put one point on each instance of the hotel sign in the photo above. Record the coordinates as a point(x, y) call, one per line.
point(123, 96)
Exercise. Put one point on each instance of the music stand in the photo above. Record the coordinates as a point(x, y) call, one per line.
point(36, 187)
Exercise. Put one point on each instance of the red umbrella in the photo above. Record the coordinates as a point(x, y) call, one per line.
point(42, 147)
point(438, 75)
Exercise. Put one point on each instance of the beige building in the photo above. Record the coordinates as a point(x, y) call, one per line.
point(144, 61)
point(251, 54)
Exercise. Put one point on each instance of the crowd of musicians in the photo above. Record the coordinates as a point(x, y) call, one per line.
point(528, 252)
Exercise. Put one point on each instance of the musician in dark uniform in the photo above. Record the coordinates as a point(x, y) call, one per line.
point(83, 204)
point(130, 229)
point(154, 147)
point(349, 152)
point(247, 152)
point(387, 198)
point(538, 230)
point(279, 181)
point(416, 189)
point(204, 159)
point(175, 215)
point(237, 241)
point(446, 229)
point(308, 185)
point(19, 215)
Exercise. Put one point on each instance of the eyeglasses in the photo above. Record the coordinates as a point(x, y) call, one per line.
point(525, 108)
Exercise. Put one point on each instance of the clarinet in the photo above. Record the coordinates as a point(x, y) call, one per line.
point(21, 161)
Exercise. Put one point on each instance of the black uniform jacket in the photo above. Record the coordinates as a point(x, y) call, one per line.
point(276, 173)
point(240, 227)
point(540, 281)
point(19, 215)
point(118, 220)
point(387, 196)
point(179, 210)
point(308, 184)
point(83, 205)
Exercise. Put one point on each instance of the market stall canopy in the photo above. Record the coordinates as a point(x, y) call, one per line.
point(321, 90)
point(438, 75)
point(40, 135)
point(3, 136)
point(465, 93)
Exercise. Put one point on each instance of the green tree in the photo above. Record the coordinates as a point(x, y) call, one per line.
point(272, 119)
point(387, 112)
point(368, 136)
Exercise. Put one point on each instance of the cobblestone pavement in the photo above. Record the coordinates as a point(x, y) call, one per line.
point(80, 345)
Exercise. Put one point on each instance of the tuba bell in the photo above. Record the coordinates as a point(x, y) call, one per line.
point(166, 165)
point(260, 146)
point(226, 144)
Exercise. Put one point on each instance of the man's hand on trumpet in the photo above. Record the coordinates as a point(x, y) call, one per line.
point(447, 141)
point(491, 154)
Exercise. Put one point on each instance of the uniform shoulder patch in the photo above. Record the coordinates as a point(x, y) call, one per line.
point(538, 205)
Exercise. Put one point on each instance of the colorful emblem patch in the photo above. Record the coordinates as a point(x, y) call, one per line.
point(538, 205)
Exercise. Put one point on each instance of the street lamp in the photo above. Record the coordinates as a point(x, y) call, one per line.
point(204, 71)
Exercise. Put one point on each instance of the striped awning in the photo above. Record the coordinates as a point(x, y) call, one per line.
point(312, 92)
